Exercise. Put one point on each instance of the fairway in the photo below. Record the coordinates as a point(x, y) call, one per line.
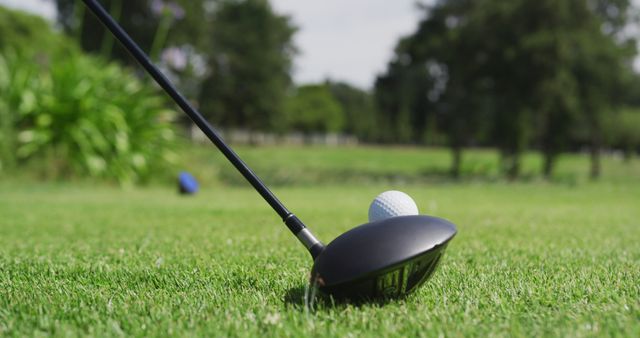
point(530, 259)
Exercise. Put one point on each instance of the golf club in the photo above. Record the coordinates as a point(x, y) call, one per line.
point(383, 259)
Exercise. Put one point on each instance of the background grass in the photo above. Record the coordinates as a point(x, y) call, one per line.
point(531, 258)
point(317, 165)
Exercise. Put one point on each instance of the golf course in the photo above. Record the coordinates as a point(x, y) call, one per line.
point(532, 257)
point(452, 168)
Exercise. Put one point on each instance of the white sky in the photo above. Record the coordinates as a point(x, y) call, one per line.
point(349, 40)
point(45, 8)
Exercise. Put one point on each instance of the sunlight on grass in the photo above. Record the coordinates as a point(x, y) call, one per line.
point(531, 258)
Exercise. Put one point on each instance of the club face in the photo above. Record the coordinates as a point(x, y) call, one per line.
point(385, 259)
point(393, 282)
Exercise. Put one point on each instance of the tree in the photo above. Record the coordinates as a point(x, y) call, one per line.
point(358, 109)
point(433, 84)
point(313, 108)
point(174, 33)
point(250, 65)
point(554, 39)
point(402, 99)
point(451, 51)
point(602, 70)
point(520, 71)
point(562, 62)
point(156, 22)
point(622, 131)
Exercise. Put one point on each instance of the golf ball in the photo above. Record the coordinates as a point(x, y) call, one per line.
point(391, 204)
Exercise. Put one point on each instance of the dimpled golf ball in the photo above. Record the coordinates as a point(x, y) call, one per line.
point(391, 204)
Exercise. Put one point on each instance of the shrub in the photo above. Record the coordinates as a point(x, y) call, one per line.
point(22, 36)
point(623, 130)
point(313, 108)
point(87, 116)
point(29, 34)
point(18, 82)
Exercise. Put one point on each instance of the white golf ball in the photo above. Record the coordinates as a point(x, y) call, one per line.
point(391, 204)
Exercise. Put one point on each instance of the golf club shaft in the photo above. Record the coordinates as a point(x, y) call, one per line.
point(293, 223)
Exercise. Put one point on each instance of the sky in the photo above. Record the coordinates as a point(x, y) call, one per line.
point(346, 40)
point(44, 8)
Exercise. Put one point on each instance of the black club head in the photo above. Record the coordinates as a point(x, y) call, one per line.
point(384, 259)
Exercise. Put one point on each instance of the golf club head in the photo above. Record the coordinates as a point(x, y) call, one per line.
point(384, 259)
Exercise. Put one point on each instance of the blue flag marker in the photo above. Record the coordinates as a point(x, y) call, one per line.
point(187, 183)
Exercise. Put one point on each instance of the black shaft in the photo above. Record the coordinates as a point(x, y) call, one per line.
point(197, 118)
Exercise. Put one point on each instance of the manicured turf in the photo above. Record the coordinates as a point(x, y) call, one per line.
point(530, 259)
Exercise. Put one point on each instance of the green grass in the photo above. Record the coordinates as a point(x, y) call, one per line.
point(398, 165)
point(531, 258)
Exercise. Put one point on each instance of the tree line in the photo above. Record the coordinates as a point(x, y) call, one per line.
point(518, 74)
point(548, 75)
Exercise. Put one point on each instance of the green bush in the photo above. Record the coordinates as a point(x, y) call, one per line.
point(22, 36)
point(84, 116)
point(18, 84)
point(623, 130)
point(313, 108)
point(29, 34)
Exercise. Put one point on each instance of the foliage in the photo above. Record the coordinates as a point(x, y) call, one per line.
point(141, 19)
point(29, 35)
point(85, 116)
point(165, 29)
point(401, 100)
point(622, 130)
point(250, 65)
point(510, 74)
point(16, 94)
point(359, 112)
point(516, 75)
point(239, 52)
point(312, 108)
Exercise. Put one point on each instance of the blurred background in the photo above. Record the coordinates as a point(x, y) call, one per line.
point(390, 91)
